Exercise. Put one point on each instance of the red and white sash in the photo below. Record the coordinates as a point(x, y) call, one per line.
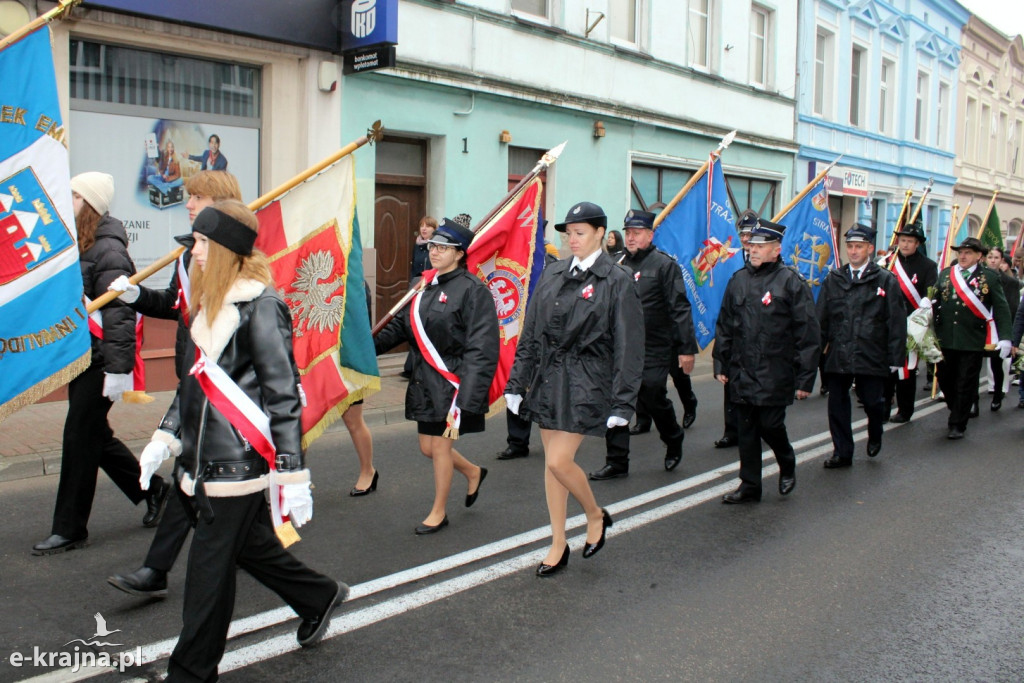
point(243, 414)
point(184, 290)
point(974, 304)
point(139, 366)
point(434, 359)
point(909, 291)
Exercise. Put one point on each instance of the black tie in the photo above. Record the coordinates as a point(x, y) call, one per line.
point(576, 271)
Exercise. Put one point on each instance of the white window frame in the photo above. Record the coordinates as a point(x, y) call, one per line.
point(984, 134)
point(764, 79)
point(942, 114)
point(638, 14)
point(886, 96)
point(970, 150)
point(922, 101)
point(860, 80)
point(824, 72)
point(526, 14)
point(708, 19)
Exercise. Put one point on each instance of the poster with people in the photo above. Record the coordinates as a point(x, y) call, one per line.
point(151, 159)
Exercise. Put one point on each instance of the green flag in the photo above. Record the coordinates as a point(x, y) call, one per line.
point(991, 235)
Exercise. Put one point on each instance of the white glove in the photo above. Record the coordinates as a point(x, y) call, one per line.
point(129, 292)
point(926, 302)
point(894, 368)
point(116, 384)
point(1004, 348)
point(513, 401)
point(616, 421)
point(162, 446)
point(297, 503)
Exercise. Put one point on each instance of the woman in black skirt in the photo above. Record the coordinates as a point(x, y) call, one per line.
point(577, 369)
point(452, 331)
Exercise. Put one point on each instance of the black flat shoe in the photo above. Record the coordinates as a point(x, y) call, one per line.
point(156, 502)
point(58, 544)
point(608, 472)
point(424, 529)
point(512, 453)
point(997, 403)
point(471, 498)
point(786, 485)
point(312, 630)
point(552, 569)
point(899, 419)
point(741, 495)
point(590, 549)
point(640, 428)
point(835, 462)
point(974, 410)
point(955, 434)
point(144, 582)
point(726, 442)
point(689, 413)
point(874, 448)
point(674, 454)
point(370, 489)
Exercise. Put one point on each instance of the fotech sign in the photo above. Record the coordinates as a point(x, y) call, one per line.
point(369, 34)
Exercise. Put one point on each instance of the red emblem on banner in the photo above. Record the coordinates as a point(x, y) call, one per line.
point(767, 298)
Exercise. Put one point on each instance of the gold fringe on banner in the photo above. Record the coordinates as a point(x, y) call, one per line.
point(332, 415)
point(48, 385)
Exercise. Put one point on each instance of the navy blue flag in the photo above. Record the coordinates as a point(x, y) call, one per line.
point(809, 242)
point(700, 233)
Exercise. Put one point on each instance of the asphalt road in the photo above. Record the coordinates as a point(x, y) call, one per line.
point(908, 567)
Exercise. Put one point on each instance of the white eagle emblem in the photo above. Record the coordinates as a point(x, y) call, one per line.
point(317, 301)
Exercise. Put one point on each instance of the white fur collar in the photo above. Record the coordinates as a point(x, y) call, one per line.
point(212, 340)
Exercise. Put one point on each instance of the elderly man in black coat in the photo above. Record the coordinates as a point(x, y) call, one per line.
point(766, 350)
point(864, 340)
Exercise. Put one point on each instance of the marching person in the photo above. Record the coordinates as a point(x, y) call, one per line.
point(420, 262)
point(766, 349)
point(452, 330)
point(89, 443)
point(171, 303)
point(915, 273)
point(863, 338)
point(577, 370)
point(971, 316)
point(241, 342)
point(999, 368)
point(668, 339)
point(745, 224)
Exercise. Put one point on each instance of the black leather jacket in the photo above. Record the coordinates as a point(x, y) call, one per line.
point(258, 357)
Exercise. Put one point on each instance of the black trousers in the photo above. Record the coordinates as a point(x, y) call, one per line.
point(684, 387)
point(653, 396)
point(518, 432)
point(958, 374)
point(170, 535)
point(729, 413)
point(995, 364)
point(871, 390)
point(755, 423)
point(241, 535)
point(903, 390)
point(89, 445)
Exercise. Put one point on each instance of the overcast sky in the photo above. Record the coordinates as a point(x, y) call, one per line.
point(1005, 15)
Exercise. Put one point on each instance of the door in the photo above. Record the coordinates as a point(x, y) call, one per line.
point(396, 211)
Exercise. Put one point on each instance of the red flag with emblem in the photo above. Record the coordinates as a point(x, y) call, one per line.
point(502, 256)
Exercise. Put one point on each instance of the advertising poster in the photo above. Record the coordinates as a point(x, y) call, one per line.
point(150, 160)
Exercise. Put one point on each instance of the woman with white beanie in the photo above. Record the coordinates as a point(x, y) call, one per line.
point(89, 443)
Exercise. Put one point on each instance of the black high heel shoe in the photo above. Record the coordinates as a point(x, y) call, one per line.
point(552, 569)
point(369, 489)
point(590, 549)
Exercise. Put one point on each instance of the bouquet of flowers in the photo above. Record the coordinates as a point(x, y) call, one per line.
point(920, 333)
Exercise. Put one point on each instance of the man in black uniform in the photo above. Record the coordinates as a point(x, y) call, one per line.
point(915, 273)
point(745, 225)
point(863, 338)
point(766, 349)
point(668, 330)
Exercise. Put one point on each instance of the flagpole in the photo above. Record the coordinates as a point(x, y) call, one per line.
point(903, 210)
point(804, 192)
point(954, 229)
point(988, 213)
point(57, 12)
point(924, 195)
point(722, 145)
point(375, 133)
point(549, 157)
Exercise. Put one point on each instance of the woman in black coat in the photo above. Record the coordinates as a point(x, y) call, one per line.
point(999, 368)
point(89, 443)
point(452, 330)
point(577, 369)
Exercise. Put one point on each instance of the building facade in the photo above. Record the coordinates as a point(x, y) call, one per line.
point(642, 90)
point(990, 127)
point(878, 83)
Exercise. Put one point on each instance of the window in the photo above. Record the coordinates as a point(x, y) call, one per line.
point(942, 117)
point(984, 140)
point(1015, 139)
point(970, 129)
point(1002, 144)
point(823, 74)
point(622, 23)
point(126, 76)
point(759, 45)
point(699, 43)
point(654, 186)
point(536, 7)
point(886, 97)
point(858, 59)
point(921, 108)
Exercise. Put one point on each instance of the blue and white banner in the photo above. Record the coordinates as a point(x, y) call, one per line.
point(700, 233)
point(809, 242)
point(44, 335)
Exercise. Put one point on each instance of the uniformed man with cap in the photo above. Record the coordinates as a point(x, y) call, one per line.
point(766, 351)
point(971, 316)
point(669, 335)
point(863, 339)
point(745, 224)
point(915, 273)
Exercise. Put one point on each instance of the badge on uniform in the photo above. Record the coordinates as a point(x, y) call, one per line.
point(636, 276)
point(587, 292)
point(767, 298)
point(914, 279)
point(443, 298)
point(880, 292)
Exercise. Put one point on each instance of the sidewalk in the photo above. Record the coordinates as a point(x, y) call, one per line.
point(30, 439)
